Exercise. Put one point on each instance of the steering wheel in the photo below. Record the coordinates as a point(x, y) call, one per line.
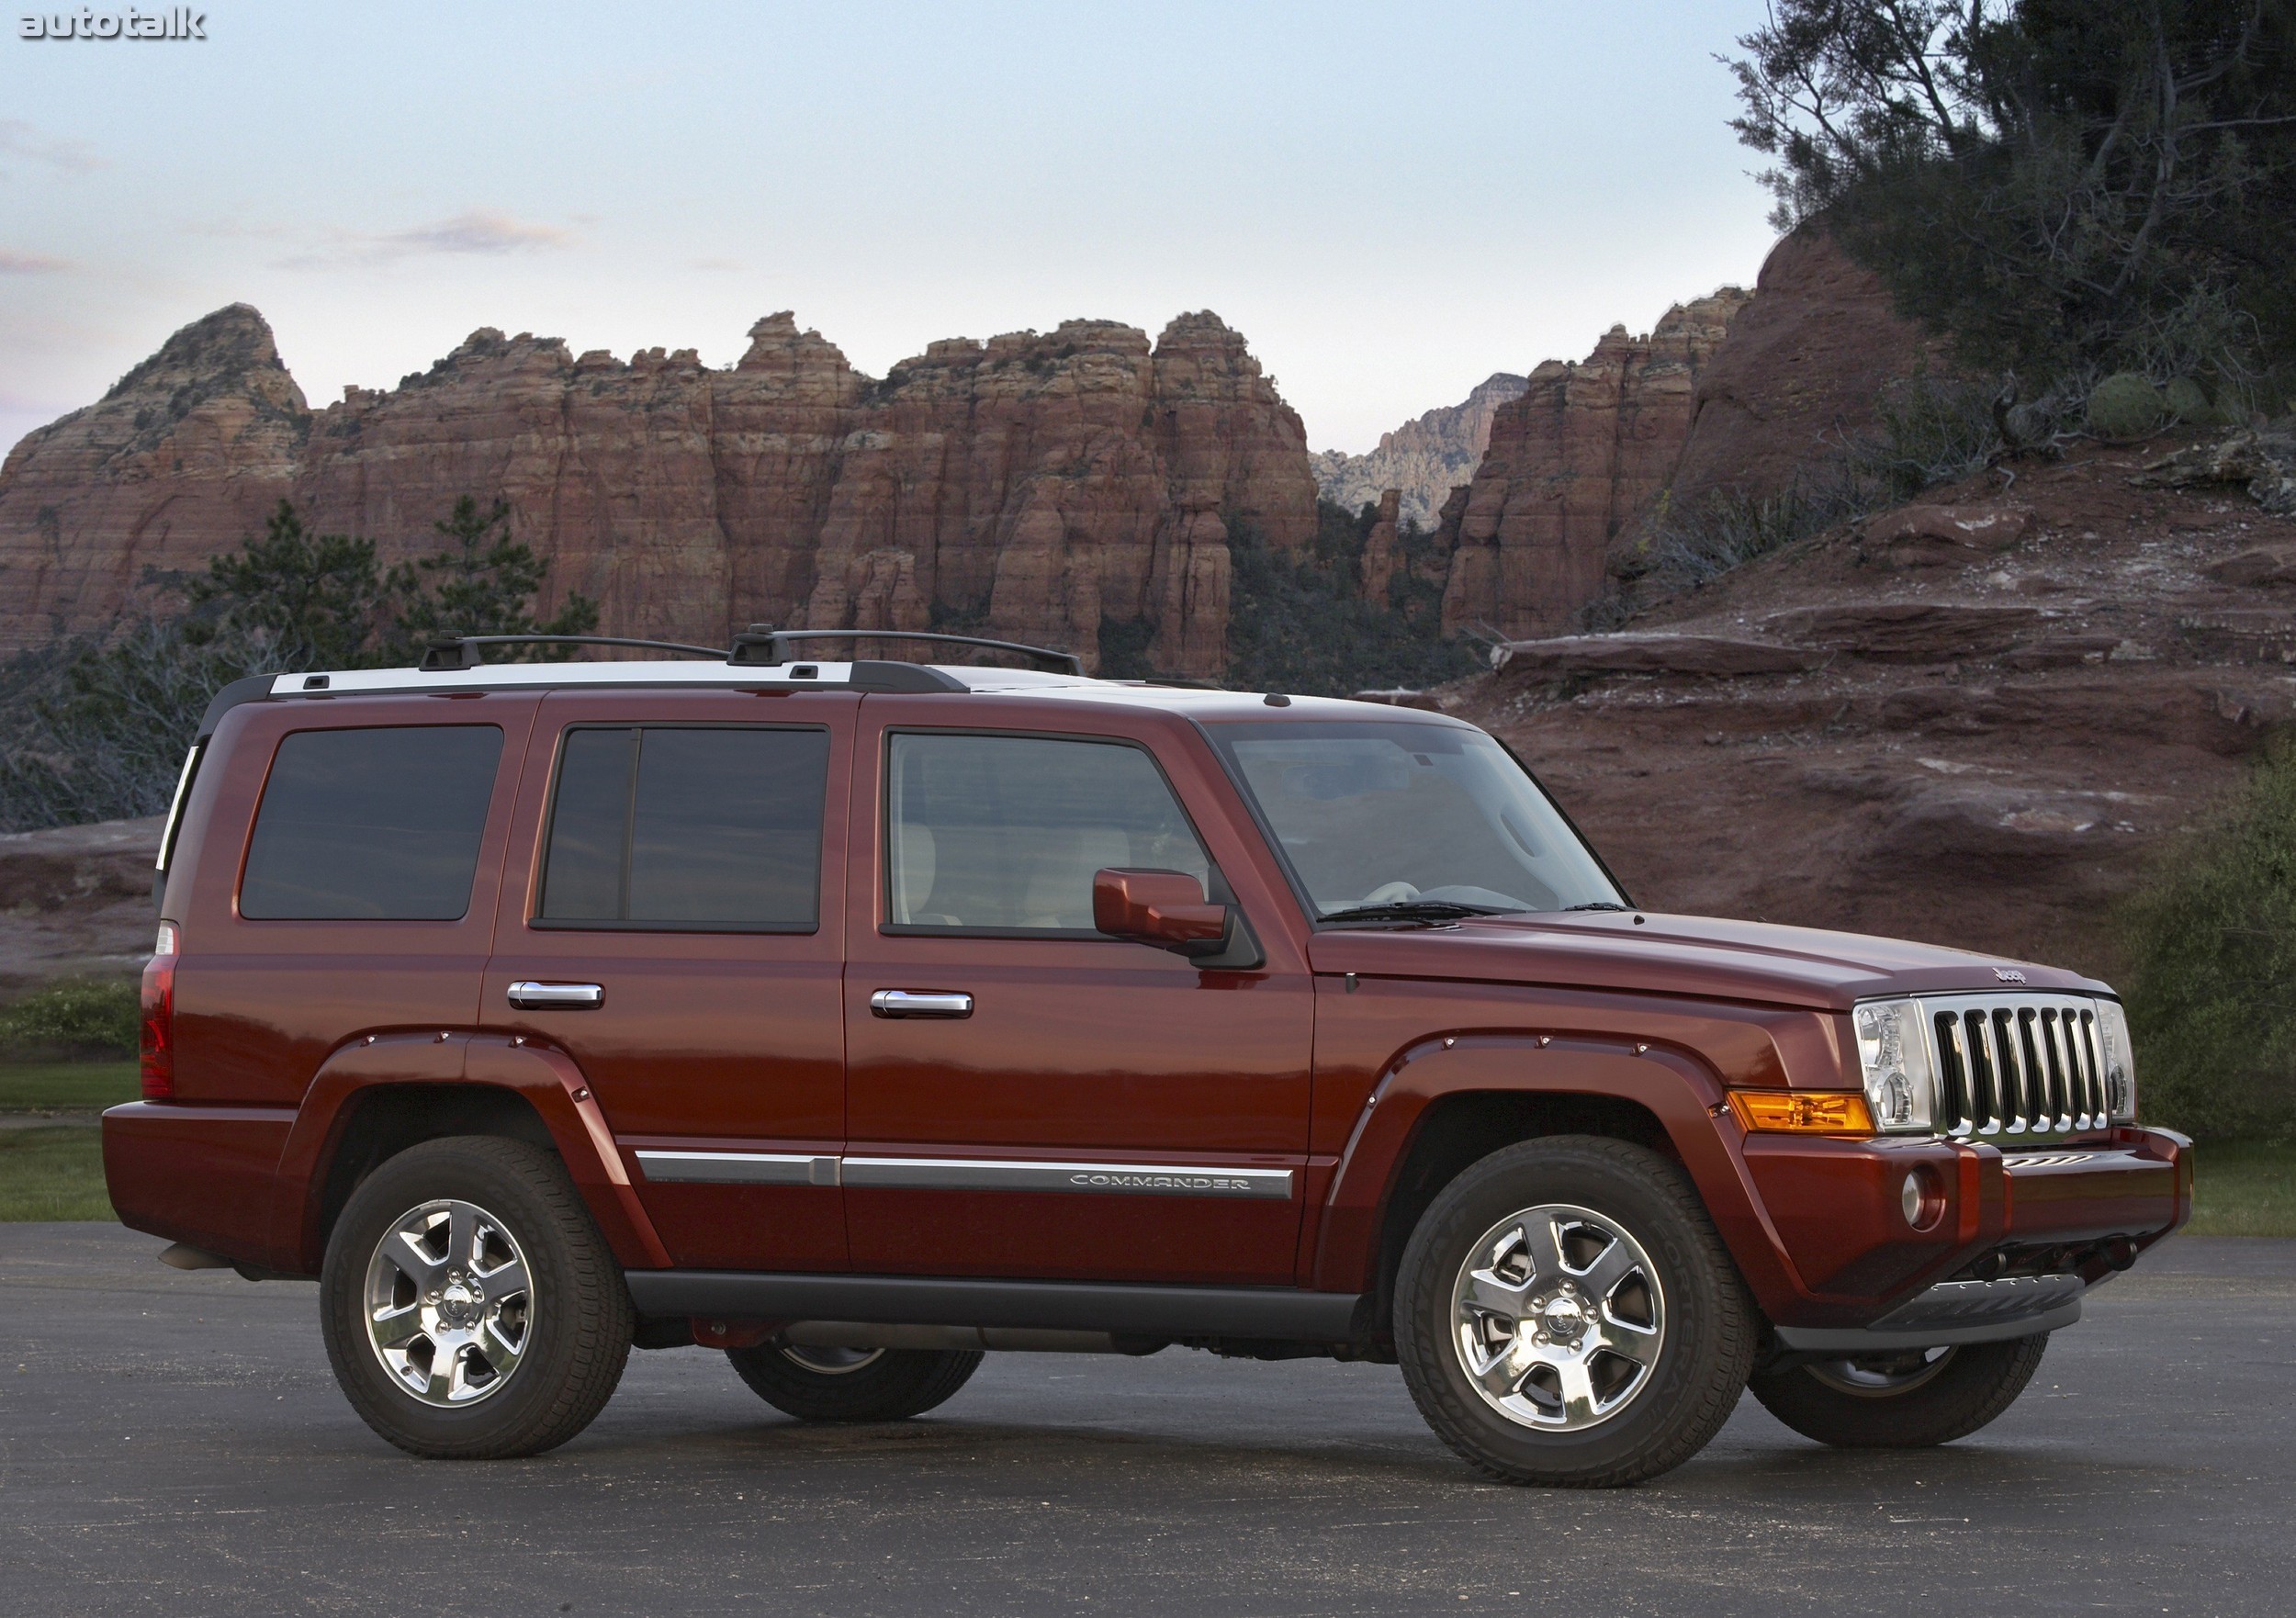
point(1391, 893)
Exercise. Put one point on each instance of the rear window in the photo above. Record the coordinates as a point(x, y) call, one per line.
point(715, 829)
point(379, 824)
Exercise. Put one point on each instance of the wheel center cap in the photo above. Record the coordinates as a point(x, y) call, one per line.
point(461, 1304)
point(1563, 1318)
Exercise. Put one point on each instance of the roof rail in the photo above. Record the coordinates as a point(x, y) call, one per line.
point(763, 644)
point(462, 651)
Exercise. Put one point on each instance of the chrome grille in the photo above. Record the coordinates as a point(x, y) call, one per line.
point(2016, 1064)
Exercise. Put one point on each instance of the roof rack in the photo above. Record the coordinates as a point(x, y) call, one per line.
point(462, 651)
point(763, 644)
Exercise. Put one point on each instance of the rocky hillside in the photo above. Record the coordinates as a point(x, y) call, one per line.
point(1422, 460)
point(75, 901)
point(1035, 486)
point(1976, 720)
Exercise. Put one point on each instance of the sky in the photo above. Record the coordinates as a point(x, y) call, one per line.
point(1391, 201)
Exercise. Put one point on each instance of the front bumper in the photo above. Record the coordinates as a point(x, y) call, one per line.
point(2023, 1232)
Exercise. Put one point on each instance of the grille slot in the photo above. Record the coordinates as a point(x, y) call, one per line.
point(2016, 1064)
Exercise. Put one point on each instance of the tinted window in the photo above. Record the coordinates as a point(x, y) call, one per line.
point(671, 826)
point(380, 825)
point(1005, 832)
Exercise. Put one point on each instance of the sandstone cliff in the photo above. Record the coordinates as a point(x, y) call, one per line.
point(1572, 463)
point(1031, 486)
point(184, 456)
point(1805, 361)
point(1423, 459)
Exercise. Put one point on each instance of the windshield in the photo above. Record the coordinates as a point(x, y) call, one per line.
point(1377, 814)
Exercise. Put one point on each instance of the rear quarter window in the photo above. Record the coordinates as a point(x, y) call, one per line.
point(374, 825)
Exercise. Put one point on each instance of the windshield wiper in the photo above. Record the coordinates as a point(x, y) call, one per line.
point(1418, 910)
point(1597, 904)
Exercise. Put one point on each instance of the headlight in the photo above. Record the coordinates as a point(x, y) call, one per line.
point(2119, 1057)
point(1894, 1052)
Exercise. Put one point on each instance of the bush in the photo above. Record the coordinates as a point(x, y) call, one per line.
point(2211, 995)
point(93, 727)
point(87, 1017)
point(2125, 405)
point(1300, 624)
point(2055, 184)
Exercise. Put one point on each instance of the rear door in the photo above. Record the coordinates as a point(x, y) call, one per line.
point(672, 923)
point(1061, 1104)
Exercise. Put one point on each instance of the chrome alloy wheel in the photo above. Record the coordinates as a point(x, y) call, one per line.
point(450, 1303)
point(1559, 1316)
point(1882, 1376)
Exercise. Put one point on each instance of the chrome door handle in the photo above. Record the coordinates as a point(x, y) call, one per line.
point(557, 996)
point(920, 1003)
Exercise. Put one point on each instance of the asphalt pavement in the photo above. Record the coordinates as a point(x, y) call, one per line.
point(174, 1444)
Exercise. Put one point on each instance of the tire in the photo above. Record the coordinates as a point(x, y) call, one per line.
point(1902, 1401)
point(505, 1368)
point(843, 1385)
point(1631, 1286)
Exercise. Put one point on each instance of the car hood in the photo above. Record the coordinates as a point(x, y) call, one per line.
point(1642, 953)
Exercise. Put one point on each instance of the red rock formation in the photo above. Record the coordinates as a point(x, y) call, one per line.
point(1379, 547)
point(1802, 369)
point(1571, 464)
point(1033, 486)
point(181, 458)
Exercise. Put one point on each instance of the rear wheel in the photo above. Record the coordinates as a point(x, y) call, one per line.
point(1565, 1314)
point(1908, 1400)
point(853, 1384)
point(470, 1308)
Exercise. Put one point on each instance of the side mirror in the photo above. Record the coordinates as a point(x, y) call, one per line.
point(1165, 908)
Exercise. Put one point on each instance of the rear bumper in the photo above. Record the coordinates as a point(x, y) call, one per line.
point(2022, 1233)
point(200, 1176)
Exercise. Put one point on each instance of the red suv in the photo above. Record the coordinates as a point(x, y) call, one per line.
point(856, 1017)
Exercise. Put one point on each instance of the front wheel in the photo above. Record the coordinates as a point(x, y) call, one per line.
point(853, 1385)
point(1908, 1401)
point(471, 1308)
point(1565, 1314)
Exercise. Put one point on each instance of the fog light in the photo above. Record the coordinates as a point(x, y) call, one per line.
point(1920, 1197)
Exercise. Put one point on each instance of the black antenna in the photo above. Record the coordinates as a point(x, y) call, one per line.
point(762, 644)
point(462, 651)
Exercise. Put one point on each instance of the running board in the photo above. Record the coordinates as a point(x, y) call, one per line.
point(1284, 1313)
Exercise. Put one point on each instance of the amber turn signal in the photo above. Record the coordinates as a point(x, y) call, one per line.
point(1803, 1112)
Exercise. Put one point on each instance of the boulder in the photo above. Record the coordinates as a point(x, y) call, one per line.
point(1708, 655)
point(1906, 632)
point(1933, 537)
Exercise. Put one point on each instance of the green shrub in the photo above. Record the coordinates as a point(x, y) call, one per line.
point(2187, 401)
point(2212, 994)
point(1300, 623)
point(2124, 405)
point(87, 1016)
point(93, 727)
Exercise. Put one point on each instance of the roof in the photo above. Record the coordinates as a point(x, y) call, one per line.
point(867, 676)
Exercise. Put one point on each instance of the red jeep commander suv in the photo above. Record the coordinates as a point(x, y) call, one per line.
point(857, 1017)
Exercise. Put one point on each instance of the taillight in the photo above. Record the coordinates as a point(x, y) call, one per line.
point(156, 1043)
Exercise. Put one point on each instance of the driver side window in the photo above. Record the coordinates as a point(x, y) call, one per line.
point(1002, 834)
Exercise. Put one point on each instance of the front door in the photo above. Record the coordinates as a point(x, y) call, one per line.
point(675, 928)
point(1026, 1096)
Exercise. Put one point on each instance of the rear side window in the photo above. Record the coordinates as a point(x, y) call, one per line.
point(715, 828)
point(379, 824)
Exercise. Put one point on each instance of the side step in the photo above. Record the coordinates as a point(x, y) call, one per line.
point(1275, 1313)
